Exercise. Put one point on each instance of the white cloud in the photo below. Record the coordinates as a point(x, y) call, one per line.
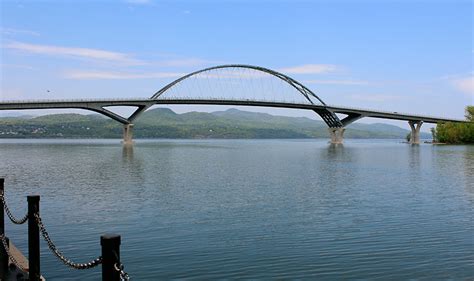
point(19, 66)
point(310, 69)
point(86, 53)
point(465, 85)
point(374, 98)
point(13, 31)
point(92, 75)
point(337, 82)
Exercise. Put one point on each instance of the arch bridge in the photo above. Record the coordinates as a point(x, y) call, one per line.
point(238, 85)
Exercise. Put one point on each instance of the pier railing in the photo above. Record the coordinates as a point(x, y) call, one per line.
point(112, 268)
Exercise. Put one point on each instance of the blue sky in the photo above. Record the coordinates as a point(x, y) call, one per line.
point(405, 56)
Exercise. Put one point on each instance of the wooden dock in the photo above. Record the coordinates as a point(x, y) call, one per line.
point(14, 273)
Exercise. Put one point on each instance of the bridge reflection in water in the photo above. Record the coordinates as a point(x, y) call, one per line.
point(239, 85)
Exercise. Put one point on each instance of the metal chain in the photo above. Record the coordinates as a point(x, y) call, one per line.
point(9, 213)
point(59, 255)
point(123, 275)
point(7, 250)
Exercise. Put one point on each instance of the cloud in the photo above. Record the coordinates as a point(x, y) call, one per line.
point(94, 75)
point(465, 85)
point(13, 31)
point(19, 66)
point(374, 98)
point(337, 82)
point(83, 53)
point(310, 69)
point(139, 2)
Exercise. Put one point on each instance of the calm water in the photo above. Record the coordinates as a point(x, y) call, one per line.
point(253, 209)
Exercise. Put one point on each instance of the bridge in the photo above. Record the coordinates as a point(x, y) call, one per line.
point(236, 85)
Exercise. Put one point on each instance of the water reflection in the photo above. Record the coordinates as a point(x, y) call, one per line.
point(127, 153)
point(336, 172)
point(414, 164)
point(468, 159)
point(255, 209)
point(414, 156)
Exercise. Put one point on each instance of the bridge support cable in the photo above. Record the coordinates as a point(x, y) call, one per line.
point(415, 131)
point(337, 135)
point(255, 77)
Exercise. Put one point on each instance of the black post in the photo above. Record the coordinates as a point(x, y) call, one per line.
point(110, 256)
point(33, 239)
point(3, 253)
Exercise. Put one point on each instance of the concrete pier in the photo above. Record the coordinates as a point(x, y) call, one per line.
point(337, 135)
point(415, 131)
point(128, 134)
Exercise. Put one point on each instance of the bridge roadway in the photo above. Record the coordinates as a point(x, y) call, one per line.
point(336, 130)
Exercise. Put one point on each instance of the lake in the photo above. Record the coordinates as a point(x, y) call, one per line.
point(250, 209)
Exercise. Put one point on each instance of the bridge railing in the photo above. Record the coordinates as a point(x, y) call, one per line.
point(73, 100)
point(147, 99)
point(388, 112)
point(112, 268)
point(162, 99)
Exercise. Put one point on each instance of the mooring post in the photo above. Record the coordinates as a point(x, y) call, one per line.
point(110, 244)
point(33, 239)
point(3, 251)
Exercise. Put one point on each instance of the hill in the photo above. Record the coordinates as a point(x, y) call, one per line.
point(165, 123)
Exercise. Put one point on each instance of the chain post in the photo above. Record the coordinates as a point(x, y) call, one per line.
point(3, 251)
point(33, 238)
point(110, 244)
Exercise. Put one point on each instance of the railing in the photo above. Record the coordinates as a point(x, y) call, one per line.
point(75, 100)
point(228, 100)
point(112, 268)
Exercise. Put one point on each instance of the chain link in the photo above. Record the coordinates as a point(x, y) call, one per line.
point(7, 250)
point(59, 255)
point(9, 213)
point(123, 275)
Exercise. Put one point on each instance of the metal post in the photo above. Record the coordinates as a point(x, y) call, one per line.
point(110, 256)
point(33, 239)
point(3, 252)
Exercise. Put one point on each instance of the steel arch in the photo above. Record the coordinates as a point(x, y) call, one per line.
point(295, 84)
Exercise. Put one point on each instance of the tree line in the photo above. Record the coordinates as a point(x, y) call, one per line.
point(456, 133)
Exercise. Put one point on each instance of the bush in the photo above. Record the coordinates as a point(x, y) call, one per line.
point(457, 132)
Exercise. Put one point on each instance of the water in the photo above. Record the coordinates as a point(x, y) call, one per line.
point(253, 209)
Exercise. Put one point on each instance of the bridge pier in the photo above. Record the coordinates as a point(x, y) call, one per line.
point(127, 134)
point(415, 131)
point(337, 135)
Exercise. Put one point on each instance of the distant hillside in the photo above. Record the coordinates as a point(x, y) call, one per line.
point(165, 123)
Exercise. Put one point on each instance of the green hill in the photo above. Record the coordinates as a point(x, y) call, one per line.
point(165, 123)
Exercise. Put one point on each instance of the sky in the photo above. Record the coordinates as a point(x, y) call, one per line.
point(405, 56)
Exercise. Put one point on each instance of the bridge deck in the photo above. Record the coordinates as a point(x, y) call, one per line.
point(96, 104)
